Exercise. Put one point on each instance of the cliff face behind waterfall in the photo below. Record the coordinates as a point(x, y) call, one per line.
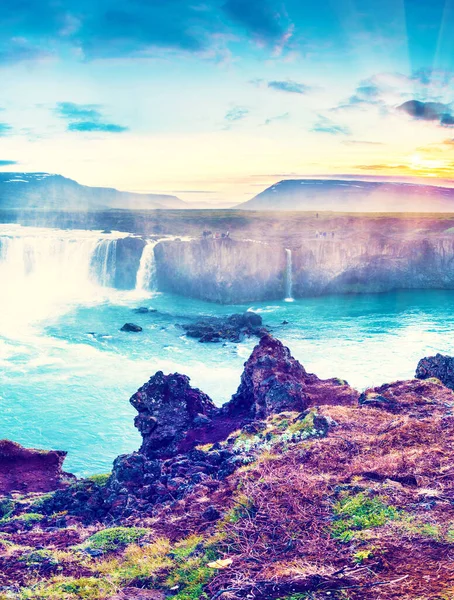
point(221, 270)
point(237, 271)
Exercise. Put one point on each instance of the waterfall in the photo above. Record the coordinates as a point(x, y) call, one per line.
point(288, 276)
point(42, 270)
point(146, 274)
point(103, 263)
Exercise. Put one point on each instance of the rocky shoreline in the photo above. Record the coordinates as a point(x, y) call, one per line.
point(291, 466)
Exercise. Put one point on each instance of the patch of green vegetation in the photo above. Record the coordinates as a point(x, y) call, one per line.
point(100, 479)
point(38, 504)
point(244, 507)
point(138, 565)
point(363, 555)
point(186, 547)
point(358, 512)
point(39, 557)
point(69, 588)
point(26, 519)
point(191, 575)
point(6, 507)
point(116, 537)
point(304, 426)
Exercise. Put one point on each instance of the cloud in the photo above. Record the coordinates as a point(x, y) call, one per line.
point(368, 93)
point(5, 129)
point(6, 163)
point(93, 126)
point(325, 125)
point(361, 143)
point(258, 17)
point(237, 113)
point(116, 29)
point(282, 117)
point(428, 111)
point(291, 87)
point(86, 118)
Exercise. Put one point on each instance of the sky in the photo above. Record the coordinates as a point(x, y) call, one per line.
point(214, 100)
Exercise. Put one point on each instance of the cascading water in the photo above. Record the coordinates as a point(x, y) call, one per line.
point(288, 276)
point(146, 274)
point(44, 269)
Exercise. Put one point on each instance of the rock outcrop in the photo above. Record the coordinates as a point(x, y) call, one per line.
point(175, 418)
point(169, 411)
point(420, 398)
point(439, 366)
point(29, 470)
point(273, 381)
point(233, 328)
point(128, 254)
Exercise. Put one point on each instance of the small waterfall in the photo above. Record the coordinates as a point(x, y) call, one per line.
point(103, 263)
point(146, 274)
point(288, 276)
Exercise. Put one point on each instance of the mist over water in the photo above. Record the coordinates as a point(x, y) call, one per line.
point(67, 372)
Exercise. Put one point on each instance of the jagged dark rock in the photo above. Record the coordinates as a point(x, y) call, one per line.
point(174, 418)
point(29, 470)
point(439, 366)
point(272, 381)
point(233, 328)
point(169, 409)
point(131, 327)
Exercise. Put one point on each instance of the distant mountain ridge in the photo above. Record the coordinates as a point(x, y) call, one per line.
point(55, 192)
point(352, 195)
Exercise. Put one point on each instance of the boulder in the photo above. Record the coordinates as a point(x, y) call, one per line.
point(233, 328)
point(439, 366)
point(29, 470)
point(131, 327)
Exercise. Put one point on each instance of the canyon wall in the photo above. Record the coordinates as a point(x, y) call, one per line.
point(228, 271)
point(221, 270)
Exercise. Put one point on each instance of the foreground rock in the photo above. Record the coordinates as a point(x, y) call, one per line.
point(169, 410)
point(294, 488)
point(233, 328)
point(273, 382)
point(439, 366)
point(28, 470)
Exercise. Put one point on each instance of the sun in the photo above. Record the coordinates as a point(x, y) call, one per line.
point(429, 166)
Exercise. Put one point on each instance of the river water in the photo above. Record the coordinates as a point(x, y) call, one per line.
point(67, 371)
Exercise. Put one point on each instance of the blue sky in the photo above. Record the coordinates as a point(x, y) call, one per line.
point(216, 99)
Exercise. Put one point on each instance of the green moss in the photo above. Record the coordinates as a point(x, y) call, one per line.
point(6, 507)
point(85, 588)
point(186, 547)
point(191, 575)
point(38, 504)
point(359, 512)
point(113, 538)
point(39, 557)
point(100, 479)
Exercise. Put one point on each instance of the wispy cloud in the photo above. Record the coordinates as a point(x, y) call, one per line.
point(7, 163)
point(5, 129)
point(237, 113)
point(289, 86)
point(86, 118)
point(325, 125)
point(282, 117)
